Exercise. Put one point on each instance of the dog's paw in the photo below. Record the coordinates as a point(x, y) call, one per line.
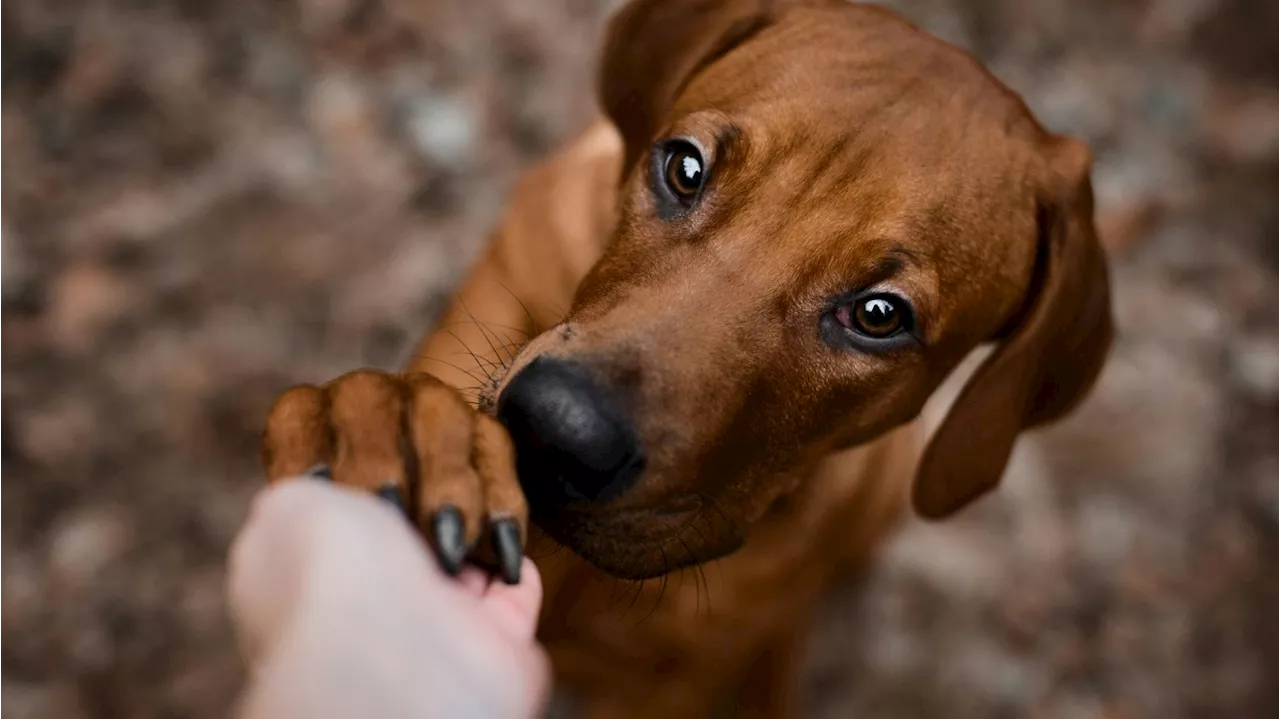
point(413, 441)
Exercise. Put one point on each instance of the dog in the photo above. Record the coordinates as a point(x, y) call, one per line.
point(695, 353)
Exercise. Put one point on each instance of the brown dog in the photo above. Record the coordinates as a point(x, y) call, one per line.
point(797, 218)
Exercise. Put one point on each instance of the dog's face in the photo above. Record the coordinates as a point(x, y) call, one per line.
point(824, 211)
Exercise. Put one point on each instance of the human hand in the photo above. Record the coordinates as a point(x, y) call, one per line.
point(342, 612)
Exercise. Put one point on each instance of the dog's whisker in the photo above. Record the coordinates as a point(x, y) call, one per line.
point(615, 595)
point(484, 331)
point(728, 525)
point(483, 334)
point(636, 597)
point(662, 588)
point(460, 368)
point(716, 563)
point(510, 343)
point(680, 589)
point(479, 360)
point(702, 574)
point(511, 328)
point(707, 585)
point(544, 554)
point(697, 588)
point(532, 322)
point(715, 504)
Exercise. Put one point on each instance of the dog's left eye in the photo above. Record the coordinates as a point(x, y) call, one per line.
point(684, 171)
point(877, 316)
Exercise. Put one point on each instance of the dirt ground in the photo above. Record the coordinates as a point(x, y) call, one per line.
point(205, 202)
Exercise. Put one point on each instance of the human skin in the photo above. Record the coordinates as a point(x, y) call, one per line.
point(341, 611)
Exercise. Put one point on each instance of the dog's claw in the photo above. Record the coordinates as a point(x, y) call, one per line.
point(506, 544)
point(390, 494)
point(450, 539)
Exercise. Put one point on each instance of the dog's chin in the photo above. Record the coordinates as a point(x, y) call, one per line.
point(634, 548)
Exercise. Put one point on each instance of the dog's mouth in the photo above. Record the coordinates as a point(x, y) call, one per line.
point(644, 541)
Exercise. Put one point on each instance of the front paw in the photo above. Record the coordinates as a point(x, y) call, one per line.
point(414, 441)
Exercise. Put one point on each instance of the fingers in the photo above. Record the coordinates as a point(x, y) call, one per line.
point(504, 504)
point(311, 606)
point(516, 607)
point(449, 501)
point(293, 527)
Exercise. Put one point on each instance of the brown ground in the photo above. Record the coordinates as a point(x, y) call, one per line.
point(207, 201)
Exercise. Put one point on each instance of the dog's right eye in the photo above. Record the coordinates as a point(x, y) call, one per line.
point(684, 171)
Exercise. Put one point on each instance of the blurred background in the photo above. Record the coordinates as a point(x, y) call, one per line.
point(204, 202)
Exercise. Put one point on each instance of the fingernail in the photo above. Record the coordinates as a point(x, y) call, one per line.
point(321, 472)
point(390, 494)
point(506, 544)
point(449, 533)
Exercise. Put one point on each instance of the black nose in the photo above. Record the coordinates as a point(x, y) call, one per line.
point(573, 441)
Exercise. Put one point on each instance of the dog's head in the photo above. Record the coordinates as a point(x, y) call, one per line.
point(823, 210)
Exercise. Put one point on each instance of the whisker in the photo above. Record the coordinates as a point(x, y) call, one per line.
point(697, 588)
point(479, 360)
point(662, 591)
point(715, 504)
point(702, 565)
point(703, 573)
point(552, 553)
point(614, 595)
point(639, 591)
point(716, 562)
point(459, 323)
point(510, 343)
point(532, 322)
point(457, 367)
point(483, 330)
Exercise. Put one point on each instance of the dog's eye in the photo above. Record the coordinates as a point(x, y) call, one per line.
point(875, 317)
point(684, 171)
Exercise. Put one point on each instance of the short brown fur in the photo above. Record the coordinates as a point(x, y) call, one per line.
point(846, 149)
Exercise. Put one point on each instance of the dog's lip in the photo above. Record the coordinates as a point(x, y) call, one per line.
point(670, 507)
point(610, 518)
point(640, 541)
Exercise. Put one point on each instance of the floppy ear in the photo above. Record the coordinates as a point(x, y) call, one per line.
point(1049, 361)
point(653, 48)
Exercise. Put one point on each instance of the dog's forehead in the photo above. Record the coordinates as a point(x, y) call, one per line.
point(844, 107)
point(858, 71)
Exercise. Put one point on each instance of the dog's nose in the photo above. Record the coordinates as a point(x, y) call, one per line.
point(572, 439)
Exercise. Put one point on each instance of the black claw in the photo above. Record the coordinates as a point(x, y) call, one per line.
point(506, 544)
point(390, 494)
point(322, 472)
point(449, 533)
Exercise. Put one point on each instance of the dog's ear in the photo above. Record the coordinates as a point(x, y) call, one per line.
point(652, 48)
point(1049, 360)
